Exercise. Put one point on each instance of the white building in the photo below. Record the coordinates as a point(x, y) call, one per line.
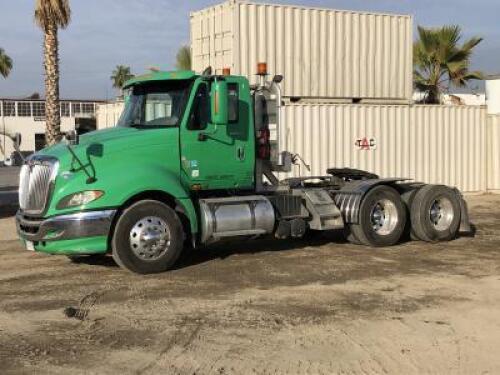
point(108, 114)
point(27, 117)
point(456, 99)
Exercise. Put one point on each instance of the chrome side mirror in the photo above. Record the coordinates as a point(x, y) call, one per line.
point(277, 78)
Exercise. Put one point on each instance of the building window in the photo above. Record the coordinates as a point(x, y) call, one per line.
point(64, 109)
point(76, 109)
point(24, 109)
point(88, 108)
point(38, 109)
point(9, 108)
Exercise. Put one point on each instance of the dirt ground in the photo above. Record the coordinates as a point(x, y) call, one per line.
point(265, 307)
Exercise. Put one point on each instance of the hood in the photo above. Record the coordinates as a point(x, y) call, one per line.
point(107, 142)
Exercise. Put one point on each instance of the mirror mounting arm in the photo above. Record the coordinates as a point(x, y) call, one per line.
point(90, 178)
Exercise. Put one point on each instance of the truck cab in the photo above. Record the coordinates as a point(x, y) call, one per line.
point(193, 160)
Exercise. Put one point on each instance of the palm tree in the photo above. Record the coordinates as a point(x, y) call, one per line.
point(50, 15)
point(5, 64)
point(183, 58)
point(440, 61)
point(120, 75)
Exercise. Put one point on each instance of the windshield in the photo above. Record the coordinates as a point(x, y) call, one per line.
point(155, 104)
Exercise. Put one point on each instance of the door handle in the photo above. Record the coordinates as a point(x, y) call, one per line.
point(202, 137)
point(241, 153)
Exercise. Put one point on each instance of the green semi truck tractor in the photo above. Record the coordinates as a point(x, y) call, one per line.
point(194, 159)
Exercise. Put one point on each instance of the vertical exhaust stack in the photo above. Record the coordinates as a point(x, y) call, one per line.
point(269, 128)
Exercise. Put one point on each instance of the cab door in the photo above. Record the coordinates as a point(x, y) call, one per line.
point(215, 156)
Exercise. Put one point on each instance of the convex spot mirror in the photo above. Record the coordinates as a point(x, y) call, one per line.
point(219, 102)
point(277, 78)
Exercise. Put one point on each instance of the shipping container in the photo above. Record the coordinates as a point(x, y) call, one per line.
point(453, 145)
point(322, 53)
point(432, 144)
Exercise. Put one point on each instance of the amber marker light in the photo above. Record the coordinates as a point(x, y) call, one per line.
point(262, 69)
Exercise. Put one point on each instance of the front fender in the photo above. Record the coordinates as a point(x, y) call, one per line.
point(164, 181)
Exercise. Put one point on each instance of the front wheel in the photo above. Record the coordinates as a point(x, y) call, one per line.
point(148, 238)
point(382, 218)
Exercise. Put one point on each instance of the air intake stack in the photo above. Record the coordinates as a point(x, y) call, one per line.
point(271, 142)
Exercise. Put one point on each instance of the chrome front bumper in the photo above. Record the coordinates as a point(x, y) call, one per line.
point(65, 227)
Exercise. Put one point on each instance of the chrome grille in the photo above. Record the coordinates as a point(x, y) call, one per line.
point(35, 183)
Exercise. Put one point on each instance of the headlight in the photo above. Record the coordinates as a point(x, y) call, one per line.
point(79, 199)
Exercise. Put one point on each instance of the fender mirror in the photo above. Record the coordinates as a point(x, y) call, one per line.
point(72, 137)
point(219, 102)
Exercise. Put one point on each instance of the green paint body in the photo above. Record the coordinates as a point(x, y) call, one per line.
point(172, 160)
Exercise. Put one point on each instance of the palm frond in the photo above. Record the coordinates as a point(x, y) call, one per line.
point(440, 60)
point(55, 13)
point(5, 64)
point(120, 75)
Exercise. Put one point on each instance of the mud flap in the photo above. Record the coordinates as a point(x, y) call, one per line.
point(465, 226)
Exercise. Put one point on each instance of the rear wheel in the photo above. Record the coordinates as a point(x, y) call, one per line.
point(148, 238)
point(435, 214)
point(382, 218)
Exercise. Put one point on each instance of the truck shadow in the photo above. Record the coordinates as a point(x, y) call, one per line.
point(223, 250)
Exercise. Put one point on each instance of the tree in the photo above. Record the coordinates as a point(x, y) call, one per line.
point(50, 15)
point(5, 64)
point(120, 75)
point(440, 61)
point(183, 58)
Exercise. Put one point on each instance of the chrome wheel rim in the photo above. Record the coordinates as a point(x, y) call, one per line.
point(150, 238)
point(441, 213)
point(384, 217)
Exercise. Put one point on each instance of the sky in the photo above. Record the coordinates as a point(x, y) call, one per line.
point(144, 33)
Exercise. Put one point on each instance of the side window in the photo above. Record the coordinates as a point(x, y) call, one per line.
point(233, 102)
point(200, 113)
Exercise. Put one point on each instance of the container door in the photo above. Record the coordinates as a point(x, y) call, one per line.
point(215, 156)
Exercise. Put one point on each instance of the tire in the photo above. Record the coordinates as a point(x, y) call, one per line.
point(435, 214)
point(350, 237)
point(382, 218)
point(148, 238)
